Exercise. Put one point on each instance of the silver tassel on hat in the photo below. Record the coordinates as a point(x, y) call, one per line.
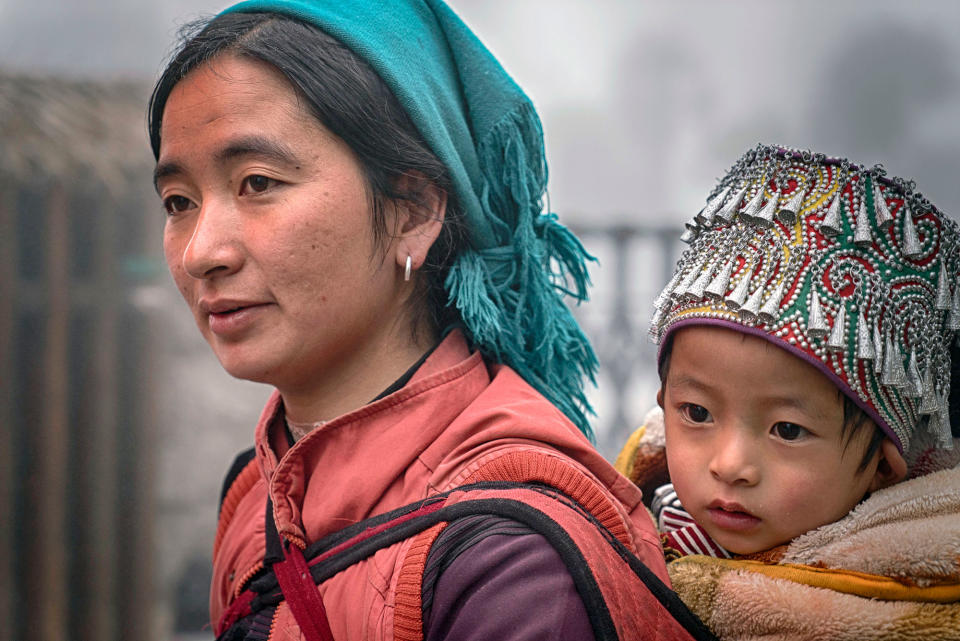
point(790, 211)
point(928, 400)
point(751, 308)
point(939, 423)
point(943, 301)
point(878, 350)
point(914, 383)
point(737, 297)
point(865, 349)
point(883, 216)
point(688, 279)
point(911, 242)
point(691, 232)
point(953, 318)
point(893, 373)
point(933, 423)
point(837, 341)
point(816, 323)
point(695, 291)
point(831, 225)
point(944, 435)
point(654, 331)
point(706, 216)
point(771, 309)
point(765, 215)
point(665, 299)
point(728, 211)
point(749, 212)
point(862, 235)
point(718, 287)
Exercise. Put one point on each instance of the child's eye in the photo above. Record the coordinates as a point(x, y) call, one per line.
point(177, 204)
point(256, 184)
point(695, 413)
point(790, 431)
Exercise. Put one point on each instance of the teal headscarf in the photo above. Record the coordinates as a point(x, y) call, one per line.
point(508, 285)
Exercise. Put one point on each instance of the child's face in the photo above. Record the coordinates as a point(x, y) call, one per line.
point(753, 438)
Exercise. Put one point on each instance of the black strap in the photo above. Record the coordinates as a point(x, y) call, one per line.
point(241, 461)
point(273, 544)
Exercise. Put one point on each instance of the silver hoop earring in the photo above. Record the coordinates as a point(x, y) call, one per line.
point(407, 268)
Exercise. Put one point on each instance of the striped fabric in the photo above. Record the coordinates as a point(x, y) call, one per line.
point(678, 529)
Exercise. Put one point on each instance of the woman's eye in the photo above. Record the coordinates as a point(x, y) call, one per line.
point(176, 204)
point(256, 184)
point(789, 431)
point(695, 413)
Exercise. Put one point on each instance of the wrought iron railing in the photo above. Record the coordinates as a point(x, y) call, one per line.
point(635, 260)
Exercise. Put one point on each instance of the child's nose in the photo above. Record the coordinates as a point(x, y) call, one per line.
point(733, 462)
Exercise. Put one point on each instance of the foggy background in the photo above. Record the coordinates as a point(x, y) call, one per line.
point(644, 104)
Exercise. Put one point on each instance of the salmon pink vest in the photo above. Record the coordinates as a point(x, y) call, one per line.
point(458, 420)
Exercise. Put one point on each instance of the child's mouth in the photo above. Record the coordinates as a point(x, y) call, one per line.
point(731, 516)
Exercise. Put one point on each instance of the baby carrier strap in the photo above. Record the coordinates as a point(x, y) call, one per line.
point(546, 493)
point(623, 598)
point(536, 465)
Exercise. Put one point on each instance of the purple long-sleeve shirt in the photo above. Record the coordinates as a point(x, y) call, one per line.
point(492, 578)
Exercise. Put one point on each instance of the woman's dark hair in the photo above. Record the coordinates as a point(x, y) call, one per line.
point(349, 99)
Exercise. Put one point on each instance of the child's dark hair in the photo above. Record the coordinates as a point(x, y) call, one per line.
point(854, 418)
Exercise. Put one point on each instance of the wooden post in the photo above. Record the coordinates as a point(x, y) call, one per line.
point(100, 474)
point(50, 551)
point(136, 331)
point(8, 266)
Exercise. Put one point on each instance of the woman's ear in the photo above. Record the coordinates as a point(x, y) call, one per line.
point(891, 468)
point(418, 224)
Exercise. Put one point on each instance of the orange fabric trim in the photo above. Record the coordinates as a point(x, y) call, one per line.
point(273, 622)
point(872, 586)
point(530, 466)
point(408, 610)
point(246, 576)
point(245, 480)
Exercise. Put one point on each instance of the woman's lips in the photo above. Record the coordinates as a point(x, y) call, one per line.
point(230, 323)
point(731, 516)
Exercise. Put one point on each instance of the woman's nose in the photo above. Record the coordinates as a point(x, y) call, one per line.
point(215, 248)
point(734, 462)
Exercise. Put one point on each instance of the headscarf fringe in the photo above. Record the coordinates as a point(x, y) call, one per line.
point(511, 296)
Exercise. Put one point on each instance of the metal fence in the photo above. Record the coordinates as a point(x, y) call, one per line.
point(634, 262)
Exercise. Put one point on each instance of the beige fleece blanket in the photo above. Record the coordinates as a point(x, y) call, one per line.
point(889, 570)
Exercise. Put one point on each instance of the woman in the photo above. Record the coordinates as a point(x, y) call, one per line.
point(353, 196)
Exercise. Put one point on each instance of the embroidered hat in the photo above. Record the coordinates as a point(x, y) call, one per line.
point(846, 268)
point(509, 284)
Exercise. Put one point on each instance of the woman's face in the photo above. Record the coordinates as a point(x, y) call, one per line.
point(268, 232)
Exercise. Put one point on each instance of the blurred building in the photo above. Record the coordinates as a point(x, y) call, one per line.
point(76, 446)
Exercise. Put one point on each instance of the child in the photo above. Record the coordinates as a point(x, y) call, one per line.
point(807, 344)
